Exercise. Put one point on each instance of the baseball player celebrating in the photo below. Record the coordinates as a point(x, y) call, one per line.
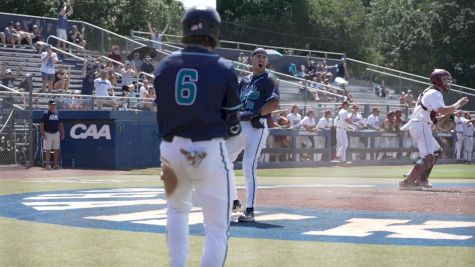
point(199, 89)
point(259, 95)
point(429, 104)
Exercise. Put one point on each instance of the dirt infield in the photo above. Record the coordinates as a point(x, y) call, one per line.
point(443, 200)
point(437, 200)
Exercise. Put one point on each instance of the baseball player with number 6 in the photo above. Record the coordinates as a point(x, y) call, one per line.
point(198, 106)
point(430, 104)
point(259, 95)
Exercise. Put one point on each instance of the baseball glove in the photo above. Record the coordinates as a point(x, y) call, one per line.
point(445, 123)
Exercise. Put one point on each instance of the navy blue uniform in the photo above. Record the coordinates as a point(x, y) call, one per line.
point(51, 121)
point(202, 84)
point(255, 91)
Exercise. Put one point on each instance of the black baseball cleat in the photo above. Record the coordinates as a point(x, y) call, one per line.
point(248, 216)
point(236, 206)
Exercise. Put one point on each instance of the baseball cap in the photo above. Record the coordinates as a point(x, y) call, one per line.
point(52, 102)
point(459, 111)
point(354, 107)
point(259, 50)
point(50, 46)
point(8, 71)
point(11, 23)
point(18, 23)
point(345, 102)
point(35, 26)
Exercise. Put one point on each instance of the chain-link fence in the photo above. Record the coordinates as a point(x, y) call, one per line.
point(18, 135)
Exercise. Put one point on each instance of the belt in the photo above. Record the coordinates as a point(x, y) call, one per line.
point(169, 138)
point(469, 136)
point(459, 132)
point(51, 132)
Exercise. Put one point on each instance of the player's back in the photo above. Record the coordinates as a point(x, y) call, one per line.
point(191, 87)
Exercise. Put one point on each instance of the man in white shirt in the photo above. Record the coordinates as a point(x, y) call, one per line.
point(325, 123)
point(127, 73)
point(374, 123)
point(308, 124)
point(467, 137)
point(48, 58)
point(342, 123)
point(357, 120)
point(294, 117)
point(458, 123)
point(429, 103)
point(104, 90)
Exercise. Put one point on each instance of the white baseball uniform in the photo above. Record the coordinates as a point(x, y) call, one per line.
point(373, 122)
point(294, 119)
point(459, 132)
point(355, 141)
point(323, 124)
point(306, 121)
point(341, 135)
point(467, 139)
point(420, 123)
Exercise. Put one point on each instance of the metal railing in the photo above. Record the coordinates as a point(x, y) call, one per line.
point(62, 40)
point(416, 81)
point(251, 46)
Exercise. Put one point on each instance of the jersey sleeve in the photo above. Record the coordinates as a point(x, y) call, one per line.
point(272, 89)
point(231, 98)
point(44, 117)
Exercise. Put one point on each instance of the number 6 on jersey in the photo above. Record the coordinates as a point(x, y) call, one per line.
point(185, 87)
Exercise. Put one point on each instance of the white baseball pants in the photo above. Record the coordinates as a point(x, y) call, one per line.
point(212, 180)
point(341, 143)
point(458, 145)
point(421, 133)
point(468, 147)
point(252, 140)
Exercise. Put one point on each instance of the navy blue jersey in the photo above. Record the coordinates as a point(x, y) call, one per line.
point(51, 121)
point(256, 91)
point(193, 88)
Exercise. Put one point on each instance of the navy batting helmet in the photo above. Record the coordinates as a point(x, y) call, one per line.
point(441, 79)
point(201, 20)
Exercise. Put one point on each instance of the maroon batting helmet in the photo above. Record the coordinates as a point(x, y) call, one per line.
point(441, 79)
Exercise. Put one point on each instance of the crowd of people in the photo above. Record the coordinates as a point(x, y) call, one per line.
point(348, 119)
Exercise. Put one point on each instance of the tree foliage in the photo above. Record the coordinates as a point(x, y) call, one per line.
point(115, 15)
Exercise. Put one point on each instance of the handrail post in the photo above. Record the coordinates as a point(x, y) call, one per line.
point(400, 83)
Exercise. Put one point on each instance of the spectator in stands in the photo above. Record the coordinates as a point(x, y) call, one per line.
point(89, 73)
point(281, 141)
point(308, 124)
point(103, 88)
point(137, 62)
point(357, 120)
point(61, 79)
point(114, 54)
point(52, 132)
point(398, 121)
point(62, 26)
point(36, 38)
point(24, 36)
point(147, 65)
point(111, 72)
point(342, 71)
point(144, 89)
point(157, 36)
point(128, 72)
point(3, 39)
point(373, 122)
point(409, 98)
point(11, 36)
point(294, 117)
point(7, 76)
point(389, 126)
point(325, 123)
point(49, 58)
point(77, 37)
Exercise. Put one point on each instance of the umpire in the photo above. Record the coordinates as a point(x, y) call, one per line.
point(52, 131)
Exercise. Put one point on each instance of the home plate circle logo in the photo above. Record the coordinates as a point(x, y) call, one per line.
point(144, 210)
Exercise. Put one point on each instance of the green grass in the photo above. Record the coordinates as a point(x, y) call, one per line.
point(37, 244)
